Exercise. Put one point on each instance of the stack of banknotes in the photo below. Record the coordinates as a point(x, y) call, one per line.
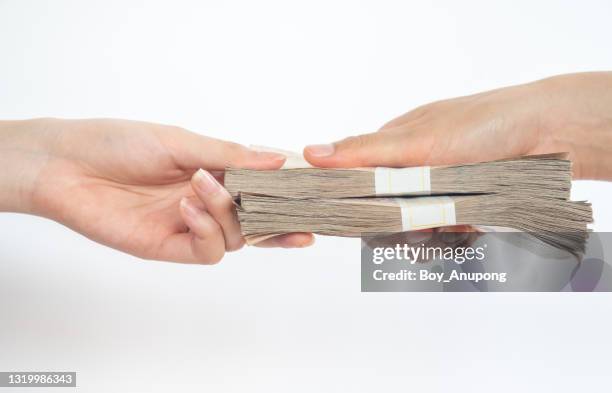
point(529, 194)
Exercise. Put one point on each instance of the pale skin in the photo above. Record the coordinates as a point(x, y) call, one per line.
point(142, 188)
point(570, 113)
point(147, 189)
point(567, 113)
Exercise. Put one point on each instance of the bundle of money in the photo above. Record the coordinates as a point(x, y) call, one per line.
point(544, 175)
point(528, 194)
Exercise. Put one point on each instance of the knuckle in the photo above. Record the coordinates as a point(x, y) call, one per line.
point(429, 112)
point(222, 201)
point(209, 228)
point(219, 205)
point(235, 154)
point(356, 142)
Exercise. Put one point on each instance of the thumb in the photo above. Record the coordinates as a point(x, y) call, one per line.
point(394, 147)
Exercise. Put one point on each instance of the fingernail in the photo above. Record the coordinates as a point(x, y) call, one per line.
point(308, 243)
point(267, 155)
point(189, 208)
point(320, 150)
point(205, 182)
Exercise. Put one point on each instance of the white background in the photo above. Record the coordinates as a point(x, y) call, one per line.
point(283, 74)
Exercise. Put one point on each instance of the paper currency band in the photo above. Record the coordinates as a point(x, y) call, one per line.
point(402, 181)
point(426, 212)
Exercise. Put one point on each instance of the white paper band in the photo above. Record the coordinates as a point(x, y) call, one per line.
point(426, 212)
point(402, 181)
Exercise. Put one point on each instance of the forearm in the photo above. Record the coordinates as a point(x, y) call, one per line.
point(23, 152)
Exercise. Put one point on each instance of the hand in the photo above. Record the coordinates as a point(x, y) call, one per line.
point(570, 113)
point(134, 186)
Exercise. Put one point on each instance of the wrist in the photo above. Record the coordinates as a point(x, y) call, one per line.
point(575, 116)
point(24, 151)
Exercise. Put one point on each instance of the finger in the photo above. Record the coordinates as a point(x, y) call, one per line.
point(289, 240)
point(398, 121)
point(457, 228)
point(220, 206)
point(397, 147)
point(203, 244)
point(411, 116)
point(457, 235)
point(191, 151)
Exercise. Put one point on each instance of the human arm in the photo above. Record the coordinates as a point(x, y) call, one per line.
point(570, 113)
